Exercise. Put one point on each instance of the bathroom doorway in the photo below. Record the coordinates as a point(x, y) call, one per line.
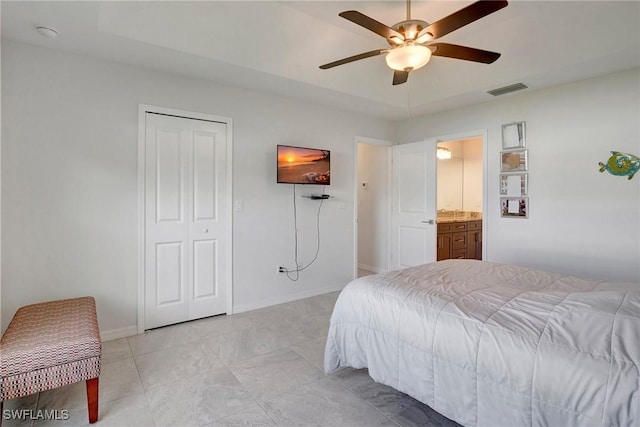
point(460, 198)
point(372, 176)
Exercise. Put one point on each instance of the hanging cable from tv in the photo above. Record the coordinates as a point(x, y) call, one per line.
point(294, 274)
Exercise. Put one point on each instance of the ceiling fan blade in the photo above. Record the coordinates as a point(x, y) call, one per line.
point(464, 16)
point(400, 77)
point(372, 25)
point(463, 52)
point(353, 58)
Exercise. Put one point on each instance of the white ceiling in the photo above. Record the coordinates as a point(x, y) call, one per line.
point(277, 46)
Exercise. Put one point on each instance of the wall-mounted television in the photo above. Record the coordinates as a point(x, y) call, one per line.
point(298, 165)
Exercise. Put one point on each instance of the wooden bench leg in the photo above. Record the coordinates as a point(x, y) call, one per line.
point(92, 399)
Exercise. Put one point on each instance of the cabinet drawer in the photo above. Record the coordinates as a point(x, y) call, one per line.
point(459, 241)
point(459, 226)
point(474, 225)
point(459, 254)
point(444, 227)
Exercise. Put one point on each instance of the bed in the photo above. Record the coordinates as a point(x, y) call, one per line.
point(489, 344)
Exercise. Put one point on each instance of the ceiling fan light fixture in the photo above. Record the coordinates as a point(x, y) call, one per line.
point(424, 37)
point(443, 153)
point(408, 58)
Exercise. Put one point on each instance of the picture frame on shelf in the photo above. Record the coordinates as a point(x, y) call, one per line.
point(514, 185)
point(513, 135)
point(514, 207)
point(514, 161)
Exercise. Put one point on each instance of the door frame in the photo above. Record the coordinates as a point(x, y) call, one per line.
point(485, 176)
point(382, 143)
point(143, 109)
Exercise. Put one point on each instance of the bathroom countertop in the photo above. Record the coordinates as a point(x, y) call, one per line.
point(459, 217)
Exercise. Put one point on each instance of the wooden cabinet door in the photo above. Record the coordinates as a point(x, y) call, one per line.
point(474, 245)
point(444, 246)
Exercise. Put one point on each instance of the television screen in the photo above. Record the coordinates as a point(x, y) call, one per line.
point(297, 165)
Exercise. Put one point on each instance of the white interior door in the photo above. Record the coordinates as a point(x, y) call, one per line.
point(413, 212)
point(185, 219)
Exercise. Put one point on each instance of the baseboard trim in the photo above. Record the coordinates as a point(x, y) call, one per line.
point(115, 334)
point(376, 270)
point(268, 302)
point(130, 331)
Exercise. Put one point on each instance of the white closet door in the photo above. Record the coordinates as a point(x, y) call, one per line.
point(185, 219)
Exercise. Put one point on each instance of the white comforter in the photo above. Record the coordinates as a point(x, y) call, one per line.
point(494, 345)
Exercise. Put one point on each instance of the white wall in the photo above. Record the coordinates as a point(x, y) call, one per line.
point(373, 207)
point(581, 221)
point(69, 175)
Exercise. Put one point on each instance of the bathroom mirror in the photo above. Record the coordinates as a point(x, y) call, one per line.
point(450, 184)
point(459, 186)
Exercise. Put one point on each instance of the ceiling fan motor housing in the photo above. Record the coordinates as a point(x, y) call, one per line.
point(410, 30)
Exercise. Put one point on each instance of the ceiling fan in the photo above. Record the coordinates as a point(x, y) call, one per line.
point(410, 39)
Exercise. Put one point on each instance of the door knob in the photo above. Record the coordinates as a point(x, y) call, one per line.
point(429, 221)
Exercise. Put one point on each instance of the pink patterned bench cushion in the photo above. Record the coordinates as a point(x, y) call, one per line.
point(48, 345)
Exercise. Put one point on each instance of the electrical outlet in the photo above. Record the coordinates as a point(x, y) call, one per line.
point(281, 269)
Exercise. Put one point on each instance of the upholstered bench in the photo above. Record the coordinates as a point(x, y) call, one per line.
point(49, 345)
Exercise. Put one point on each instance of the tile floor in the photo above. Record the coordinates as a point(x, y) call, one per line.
point(260, 368)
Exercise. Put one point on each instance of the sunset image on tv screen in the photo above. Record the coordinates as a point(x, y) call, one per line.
point(303, 165)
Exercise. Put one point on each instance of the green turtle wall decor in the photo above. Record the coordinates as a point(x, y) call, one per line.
point(621, 164)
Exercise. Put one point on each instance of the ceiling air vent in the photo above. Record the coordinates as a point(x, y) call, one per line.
point(507, 89)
